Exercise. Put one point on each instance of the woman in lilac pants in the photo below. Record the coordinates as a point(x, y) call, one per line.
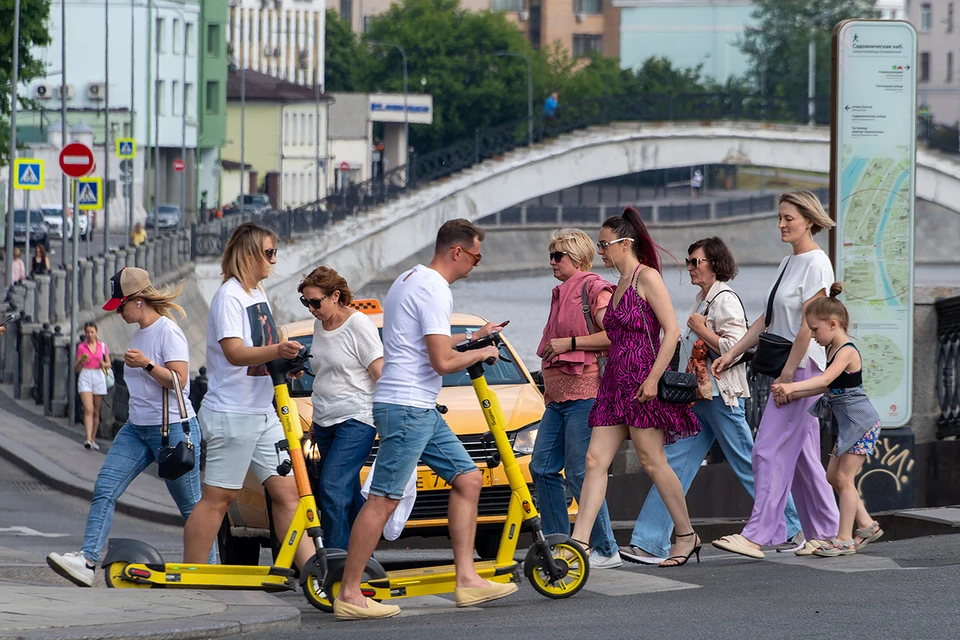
point(786, 455)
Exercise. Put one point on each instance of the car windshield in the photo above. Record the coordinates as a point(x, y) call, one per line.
point(166, 208)
point(20, 216)
point(499, 374)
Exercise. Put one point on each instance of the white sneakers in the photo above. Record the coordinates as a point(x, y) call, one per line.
point(598, 561)
point(91, 444)
point(73, 567)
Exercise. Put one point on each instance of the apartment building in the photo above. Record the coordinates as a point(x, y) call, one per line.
point(938, 45)
point(281, 38)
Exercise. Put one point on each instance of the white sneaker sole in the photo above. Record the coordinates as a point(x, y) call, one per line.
point(640, 559)
point(607, 564)
point(66, 571)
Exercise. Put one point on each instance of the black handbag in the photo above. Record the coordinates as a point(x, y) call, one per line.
point(591, 327)
point(772, 350)
point(178, 460)
point(675, 387)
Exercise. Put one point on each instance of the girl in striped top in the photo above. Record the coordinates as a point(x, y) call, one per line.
point(857, 421)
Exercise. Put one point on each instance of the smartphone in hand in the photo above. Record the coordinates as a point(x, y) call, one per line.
point(7, 319)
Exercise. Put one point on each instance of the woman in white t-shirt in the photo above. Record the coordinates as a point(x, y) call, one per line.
point(157, 347)
point(240, 424)
point(347, 360)
point(786, 454)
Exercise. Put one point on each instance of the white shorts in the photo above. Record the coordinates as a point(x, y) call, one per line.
point(92, 381)
point(236, 441)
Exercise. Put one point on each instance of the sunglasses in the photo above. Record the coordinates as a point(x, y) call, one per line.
point(312, 302)
point(270, 253)
point(695, 262)
point(476, 256)
point(603, 244)
point(557, 256)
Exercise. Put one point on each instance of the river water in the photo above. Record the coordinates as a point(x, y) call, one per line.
point(525, 301)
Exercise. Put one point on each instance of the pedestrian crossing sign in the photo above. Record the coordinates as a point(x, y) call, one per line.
point(126, 148)
point(28, 173)
point(89, 194)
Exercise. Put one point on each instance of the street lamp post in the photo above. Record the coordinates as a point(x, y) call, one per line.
point(243, 112)
point(14, 81)
point(406, 121)
point(106, 126)
point(529, 90)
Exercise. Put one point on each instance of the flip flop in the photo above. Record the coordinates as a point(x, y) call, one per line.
point(736, 543)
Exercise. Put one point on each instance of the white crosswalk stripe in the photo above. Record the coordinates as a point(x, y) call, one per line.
point(617, 582)
point(855, 563)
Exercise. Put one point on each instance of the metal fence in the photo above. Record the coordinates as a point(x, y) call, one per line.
point(948, 366)
point(209, 238)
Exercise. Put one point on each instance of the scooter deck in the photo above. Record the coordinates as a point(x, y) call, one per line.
point(215, 576)
point(434, 580)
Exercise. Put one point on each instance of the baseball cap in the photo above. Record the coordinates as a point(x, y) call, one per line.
point(125, 284)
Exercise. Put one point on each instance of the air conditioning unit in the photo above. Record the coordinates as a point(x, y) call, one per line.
point(524, 16)
point(303, 58)
point(95, 90)
point(69, 92)
point(43, 91)
point(579, 17)
point(270, 51)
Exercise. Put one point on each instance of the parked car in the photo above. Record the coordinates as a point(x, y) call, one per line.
point(253, 203)
point(38, 228)
point(53, 216)
point(248, 525)
point(165, 216)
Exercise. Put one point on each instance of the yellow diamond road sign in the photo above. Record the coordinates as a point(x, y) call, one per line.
point(89, 194)
point(28, 174)
point(126, 148)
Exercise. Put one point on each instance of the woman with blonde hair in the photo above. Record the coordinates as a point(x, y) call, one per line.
point(572, 346)
point(157, 349)
point(347, 360)
point(786, 454)
point(237, 414)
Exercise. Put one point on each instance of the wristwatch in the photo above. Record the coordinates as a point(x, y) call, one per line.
point(149, 367)
point(469, 335)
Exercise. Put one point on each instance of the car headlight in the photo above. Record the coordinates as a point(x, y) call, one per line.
point(524, 439)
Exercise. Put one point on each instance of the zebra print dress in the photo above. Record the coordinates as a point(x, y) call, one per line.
point(630, 361)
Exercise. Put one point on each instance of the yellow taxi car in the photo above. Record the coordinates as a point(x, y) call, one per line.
point(248, 524)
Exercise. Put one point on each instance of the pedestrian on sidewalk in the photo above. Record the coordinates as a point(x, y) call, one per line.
point(627, 403)
point(93, 360)
point(240, 423)
point(572, 349)
point(717, 321)
point(786, 454)
point(696, 183)
point(858, 424)
point(19, 270)
point(347, 360)
point(41, 262)
point(158, 346)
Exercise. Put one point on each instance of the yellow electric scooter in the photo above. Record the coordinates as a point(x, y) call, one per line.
point(134, 564)
point(555, 565)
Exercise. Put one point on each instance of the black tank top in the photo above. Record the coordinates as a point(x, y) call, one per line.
point(846, 380)
point(39, 267)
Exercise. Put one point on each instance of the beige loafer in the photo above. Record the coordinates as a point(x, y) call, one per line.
point(373, 611)
point(469, 596)
point(736, 543)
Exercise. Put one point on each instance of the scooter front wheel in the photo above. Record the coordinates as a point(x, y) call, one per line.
point(113, 574)
point(314, 593)
point(575, 569)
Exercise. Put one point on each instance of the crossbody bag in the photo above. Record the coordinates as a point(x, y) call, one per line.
point(772, 350)
point(591, 327)
point(178, 460)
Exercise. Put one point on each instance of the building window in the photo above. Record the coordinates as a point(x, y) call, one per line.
point(175, 29)
point(212, 98)
point(925, 67)
point(189, 37)
point(160, 46)
point(949, 66)
point(346, 10)
point(592, 7)
point(585, 43)
point(367, 20)
point(174, 101)
point(303, 129)
point(949, 17)
point(286, 128)
point(213, 40)
point(506, 5)
point(311, 132)
point(926, 17)
point(191, 100)
point(161, 104)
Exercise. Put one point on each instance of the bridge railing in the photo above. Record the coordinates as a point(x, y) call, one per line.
point(210, 238)
point(948, 366)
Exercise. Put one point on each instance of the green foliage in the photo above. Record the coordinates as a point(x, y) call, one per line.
point(777, 45)
point(344, 56)
point(33, 32)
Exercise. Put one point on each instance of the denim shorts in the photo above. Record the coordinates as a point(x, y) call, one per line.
point(409, 435)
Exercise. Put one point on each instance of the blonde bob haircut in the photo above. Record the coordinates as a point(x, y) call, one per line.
point(576, 244)
point(808, 204)
point(244, 250)
point(162, 300)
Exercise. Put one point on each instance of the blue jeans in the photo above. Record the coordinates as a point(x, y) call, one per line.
point(562, 443)
point(344, 448)
point(729, 427)
point(132, 451)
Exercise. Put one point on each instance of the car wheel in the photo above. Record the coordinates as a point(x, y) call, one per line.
point(234, 550)
point(487, 544)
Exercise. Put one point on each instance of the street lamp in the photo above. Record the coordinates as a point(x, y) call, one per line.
point(406, 122)
point(529, 90)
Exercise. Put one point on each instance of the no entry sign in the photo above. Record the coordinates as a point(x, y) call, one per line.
point(76, 160)
point(179, 165)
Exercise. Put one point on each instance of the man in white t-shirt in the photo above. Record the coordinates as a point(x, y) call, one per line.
point(418, 350)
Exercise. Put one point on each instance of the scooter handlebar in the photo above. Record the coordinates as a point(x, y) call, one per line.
point(281, 368)
point(493, 339)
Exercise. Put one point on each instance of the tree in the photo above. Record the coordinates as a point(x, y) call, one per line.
point(777, 44)
point(33, 33)
point(345, 58)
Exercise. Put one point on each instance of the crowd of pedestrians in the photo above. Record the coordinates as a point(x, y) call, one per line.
point(606, 351)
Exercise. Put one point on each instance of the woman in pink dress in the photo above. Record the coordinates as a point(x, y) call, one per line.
point(627, 405)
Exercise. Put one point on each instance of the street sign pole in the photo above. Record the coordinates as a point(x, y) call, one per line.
point(74, 303)
point(27, 260)
point(14, 83)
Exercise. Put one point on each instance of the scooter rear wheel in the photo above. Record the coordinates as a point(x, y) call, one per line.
point(315, 594)
point(113, 575)
point(576, 567)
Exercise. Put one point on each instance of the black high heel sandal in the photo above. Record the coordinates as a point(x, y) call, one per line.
point(679, 561)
